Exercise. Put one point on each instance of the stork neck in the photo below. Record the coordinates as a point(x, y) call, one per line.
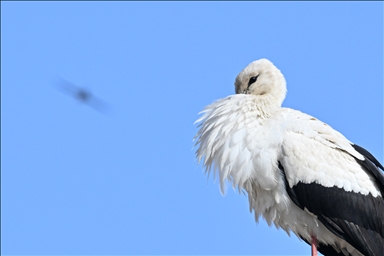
point(267, 105)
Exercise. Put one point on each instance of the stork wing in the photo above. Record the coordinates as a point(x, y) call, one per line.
point(335, 180)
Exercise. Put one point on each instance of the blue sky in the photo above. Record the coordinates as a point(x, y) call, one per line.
point(77, 181)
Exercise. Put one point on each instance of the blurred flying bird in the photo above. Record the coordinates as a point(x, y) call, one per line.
point(81, 94)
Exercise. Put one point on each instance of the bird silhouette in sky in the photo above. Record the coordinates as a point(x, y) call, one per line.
point(81, 94)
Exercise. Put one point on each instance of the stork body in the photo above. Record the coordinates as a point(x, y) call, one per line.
point(299, 173)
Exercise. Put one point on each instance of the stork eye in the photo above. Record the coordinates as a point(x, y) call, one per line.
point(252, 80)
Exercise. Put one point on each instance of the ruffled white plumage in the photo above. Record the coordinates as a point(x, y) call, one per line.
point(314, 152)
point(240, 144)
point(226, 140)
point(235, 143)
point(243, 138)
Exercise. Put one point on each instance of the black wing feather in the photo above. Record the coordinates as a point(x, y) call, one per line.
point(354, 217)
point(371, 165)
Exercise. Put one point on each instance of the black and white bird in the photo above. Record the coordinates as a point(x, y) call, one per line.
point(299, 173)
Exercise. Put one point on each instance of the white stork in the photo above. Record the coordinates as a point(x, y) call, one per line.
point(299, 173)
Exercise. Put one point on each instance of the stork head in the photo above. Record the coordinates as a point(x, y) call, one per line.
point(263, 79)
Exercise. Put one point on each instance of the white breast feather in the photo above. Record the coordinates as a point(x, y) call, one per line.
point(236, 144)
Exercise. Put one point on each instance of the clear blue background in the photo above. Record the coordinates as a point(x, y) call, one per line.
point(76, 181)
